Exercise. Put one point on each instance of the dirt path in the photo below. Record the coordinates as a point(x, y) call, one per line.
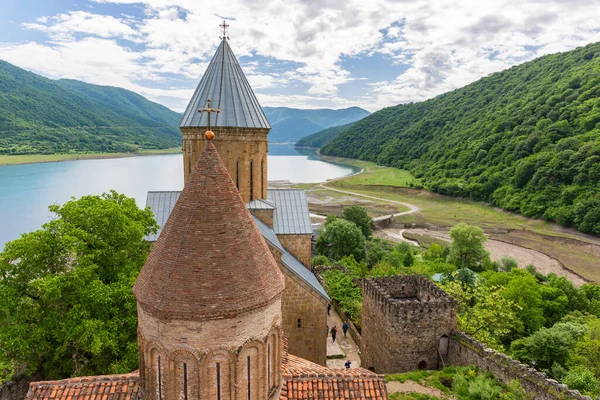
point(414, 387)
point(499, 249)
point(411, 207)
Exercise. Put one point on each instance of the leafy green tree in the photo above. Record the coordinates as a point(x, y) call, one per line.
point(67, 305)
point(523, 289)
point(549, 345)
point(466, 249)
point(582, 379)
point(341, 238)
point(483, 312)
point(359, 216)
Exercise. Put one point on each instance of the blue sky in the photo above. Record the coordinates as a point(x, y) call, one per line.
point(296, 53)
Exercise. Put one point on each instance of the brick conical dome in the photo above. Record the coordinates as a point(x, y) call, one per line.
point(210, 260)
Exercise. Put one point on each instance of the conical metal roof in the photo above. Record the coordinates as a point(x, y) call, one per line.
point(227, 87)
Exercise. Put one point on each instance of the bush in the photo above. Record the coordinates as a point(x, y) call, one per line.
point(582, 379)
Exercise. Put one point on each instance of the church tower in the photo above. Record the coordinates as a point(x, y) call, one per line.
point(240, 128)
point(209, 297)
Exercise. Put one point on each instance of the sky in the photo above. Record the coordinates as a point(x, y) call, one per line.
point(295, 53)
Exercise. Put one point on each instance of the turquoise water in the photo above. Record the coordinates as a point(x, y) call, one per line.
point(27, 190)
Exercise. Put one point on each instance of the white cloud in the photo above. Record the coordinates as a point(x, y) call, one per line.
point(445, 44)
point(63, 26)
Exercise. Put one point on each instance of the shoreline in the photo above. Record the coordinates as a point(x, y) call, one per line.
point(61, 157)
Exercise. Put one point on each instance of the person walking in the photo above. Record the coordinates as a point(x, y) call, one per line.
point(333, 332)
point(329, 309)
point(348, 364)
point(345, 328)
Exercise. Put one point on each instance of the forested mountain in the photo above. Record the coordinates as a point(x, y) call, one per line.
point(321, 138)
point(291, 124)
point(40, 115)
point(526, 139)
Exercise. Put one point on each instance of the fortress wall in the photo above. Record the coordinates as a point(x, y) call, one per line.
point(464, 350)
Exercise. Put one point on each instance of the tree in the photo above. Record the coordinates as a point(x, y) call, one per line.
point(466, 249)
point(359, 216)
point(341, 238)
point(483, 312)
point(67, 307)
point(549, 345)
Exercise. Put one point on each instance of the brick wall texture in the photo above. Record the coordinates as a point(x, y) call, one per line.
point(299, 246)
point(265, 216)
point(309, 340)
point(403, 320)
point(299, 301)
point(239, 148)
point(212, 352)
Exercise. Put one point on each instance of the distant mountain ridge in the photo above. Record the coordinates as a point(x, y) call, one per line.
point(41, 115)
point(291, 124)
point(526, 139)
point(321, 138)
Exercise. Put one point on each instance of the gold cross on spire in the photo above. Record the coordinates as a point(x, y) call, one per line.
point(208, 110)
point(224, 26)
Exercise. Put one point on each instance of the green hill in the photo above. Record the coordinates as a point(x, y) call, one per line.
point(321, 138)
point(526, 139)
point(43, 116)
point(291, 124)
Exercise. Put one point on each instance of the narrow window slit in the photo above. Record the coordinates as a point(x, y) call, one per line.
point(218, 381)
point(249, 383)
point(185, 382)
point(159, 380)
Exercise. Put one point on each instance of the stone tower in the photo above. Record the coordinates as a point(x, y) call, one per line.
point(240, 129)
point(406, 324)
point(209, 298)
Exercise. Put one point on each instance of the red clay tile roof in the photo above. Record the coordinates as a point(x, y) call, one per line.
point(107, 387)
point(210, 260)
point(303, 379)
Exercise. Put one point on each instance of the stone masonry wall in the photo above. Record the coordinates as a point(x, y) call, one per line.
point(308, 338)
point(17, 387)
point(214, 352)
point(464, 350)
point(299, 246)
point(265, 216)
point(403, 320)
point(241, 149)
point(299, 301)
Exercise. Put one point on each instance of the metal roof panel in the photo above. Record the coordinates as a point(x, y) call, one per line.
point(226, 85)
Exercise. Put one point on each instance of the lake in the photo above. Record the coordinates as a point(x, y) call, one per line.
point(27, 190)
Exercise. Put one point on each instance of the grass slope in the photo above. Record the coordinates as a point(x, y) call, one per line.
point(43, 116)
point(526, 139)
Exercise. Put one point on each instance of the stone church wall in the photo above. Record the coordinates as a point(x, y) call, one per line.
point(299, 246)
point(464, 350)
point(241, 149)
point(403, 320)
point(304, 320)
point(299, 301)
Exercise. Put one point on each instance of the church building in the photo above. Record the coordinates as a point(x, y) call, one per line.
point(225, 103)
point(227, 305)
